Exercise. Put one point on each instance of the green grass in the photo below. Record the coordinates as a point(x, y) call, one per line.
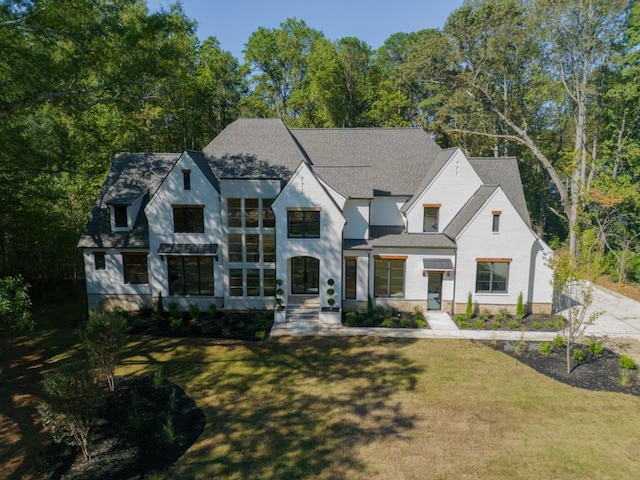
point(363, 408)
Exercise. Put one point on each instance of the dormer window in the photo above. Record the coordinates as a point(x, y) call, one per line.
point(120, 216)
point(186, 179)
point(430, 219)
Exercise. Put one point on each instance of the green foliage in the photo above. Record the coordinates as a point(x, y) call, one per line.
point(545, 349)
point(69, 408)
point(172, 400)
point(578, 355)
point(478, 324)
point(176, 323)
point(168, 430)
point(369, 306)
point(495, 325)
point(160, 305)
point(625, 376)
point(520, 307)
point(194, 311)
point(352, 318)
point(157, 378)
point(627, 362)
point(213, 310)
point(594, 347)
point(469, 310)
point(388, 322)
point(559, 341)
point(15, 304)
point(537, 325)
point(513, 324)
point(104, 337)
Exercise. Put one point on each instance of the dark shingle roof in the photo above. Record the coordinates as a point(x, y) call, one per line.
point(503, 171)
point(188, 249)
point(467, 212)
point(439, 162)
point(131, 175)
point(392, 236)
point(201, 161)
point(363, 162)
point(254, 148)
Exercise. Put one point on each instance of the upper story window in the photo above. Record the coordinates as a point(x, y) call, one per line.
point(303, 223)
point(188, 218)
point(251, 213)
point(234, 212)
point(430, 218)
point(120, 216)
point(268, 218)
point(492, 275)
point(186, 179)
point(495, 225)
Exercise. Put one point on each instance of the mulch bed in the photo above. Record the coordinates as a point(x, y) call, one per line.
point(530, 323)
point(129, 441)
point(598, 373)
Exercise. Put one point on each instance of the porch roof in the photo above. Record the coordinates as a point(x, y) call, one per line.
point(437, 264)
point(188, 249)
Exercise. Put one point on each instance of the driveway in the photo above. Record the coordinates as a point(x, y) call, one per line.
point(620, 317)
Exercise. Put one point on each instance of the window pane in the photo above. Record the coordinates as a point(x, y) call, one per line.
point(496, 223)
point(206, 275)
point(98, 261)
point(235, 247)
point(268, 218)
point(396, 276)
point(430, 219)
point(188, 219)
point(120, 214)
point(296, 227)
point(186, 179)
point(500, 275)
point(269, 282)
point(135, 268)
point(269, 248)
point(483, 277)
point(251, 212)
point(235, 282)
point(191, 276)
point(253, 247)
point(234, 212)
point(176, 276)
point(380, 278)
point(312, 224)
point(253, 282)
point(350, 271)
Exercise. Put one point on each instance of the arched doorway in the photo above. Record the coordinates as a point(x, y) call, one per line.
point(305, 276)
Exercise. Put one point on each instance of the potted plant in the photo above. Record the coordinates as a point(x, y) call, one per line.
point(279, 295)
point(331, 292)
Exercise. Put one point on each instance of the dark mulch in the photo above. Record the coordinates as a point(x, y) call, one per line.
point(121, 447)
point(246, 325)
point(387, 318)
point(533, 323)
point(601, 372)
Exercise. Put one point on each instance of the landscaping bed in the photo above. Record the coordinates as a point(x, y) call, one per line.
point(385, 317)
point(132, 437)
point(248, 325)
point(509, 322)
point(598, 372)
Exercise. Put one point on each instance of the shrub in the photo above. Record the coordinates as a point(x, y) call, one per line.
point(578, 355)
point(194, 311)
point(627, 362)
point(15, 304)
point(418, 315)
point(503, 315)
point(537, 326)
point(520, 307)
point(464, 324)
point(213, 310)
point(70, 406)
point(495, 325)
point(168, 430)
point(469, 311)
point(176, 323)
point(545, 349)
point(157, 379)
point(369, 306)
point(513, 324)
point(104, 336)
point(160, 306)
point(388, 322)
point(484, 315)
point(420, 322)
point(559, 341)
point(260, 335)
point(351, 319)
point(459, 317)
point(478, 323)
point(625, 377)
point(404, 321)
point(521, 347)
point(594, 347)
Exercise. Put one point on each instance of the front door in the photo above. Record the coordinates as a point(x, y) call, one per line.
point(434, 291)
point(305, 275)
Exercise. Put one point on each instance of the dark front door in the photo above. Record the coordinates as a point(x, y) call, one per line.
point(305, 275)
point(434, 292)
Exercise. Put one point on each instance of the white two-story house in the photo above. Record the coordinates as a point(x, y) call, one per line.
point(383, 212)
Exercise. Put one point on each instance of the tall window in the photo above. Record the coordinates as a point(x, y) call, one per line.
point(268, 247)
point(495, 226)
point(492, 277)
point(99, 261)
point(430, 220)
point(304, 223)
point(186, 179)
point(235, 282)
point(350, 276)
point(190, 275)
point(252, 247)
point(235, 247)
point(234, 209)
point(269, 282)
point(120, 216)
point(268, 218)
point(389, 277)
point(188, 219)
point(135, 268)
point(253, 282)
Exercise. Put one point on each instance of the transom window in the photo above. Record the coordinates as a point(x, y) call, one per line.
point(492, 276)
point(188, 219)
point(135, 268)
point(190, 275)
point(303, 223)
point(389, 277)
point(430, 219)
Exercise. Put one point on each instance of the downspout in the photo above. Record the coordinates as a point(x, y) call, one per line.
point(369, 292)
point(455, 276)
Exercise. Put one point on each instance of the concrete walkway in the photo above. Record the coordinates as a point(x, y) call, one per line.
point(620, 320)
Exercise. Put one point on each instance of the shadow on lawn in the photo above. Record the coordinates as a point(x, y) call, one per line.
point(285, 408)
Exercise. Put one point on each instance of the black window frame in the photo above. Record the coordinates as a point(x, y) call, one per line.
point(495, 224)
point(120, 216)
point(350, 278)
point(99, 261)
point(384, 268)
point(188, 218)
point(177, 267)
point(130, 260)
point(431, 208)
point(308, 223)
point(492, 281)
point(186, 179)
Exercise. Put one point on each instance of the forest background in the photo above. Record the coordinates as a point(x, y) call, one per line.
point(555, 84)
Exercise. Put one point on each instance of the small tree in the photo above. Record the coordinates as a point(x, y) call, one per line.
point(279, 294)
point(573, 290)
point(331, 292)
point(104, 336)
point(70, 407)
point(520, 307)
point(469, 312)
point(15, 303)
